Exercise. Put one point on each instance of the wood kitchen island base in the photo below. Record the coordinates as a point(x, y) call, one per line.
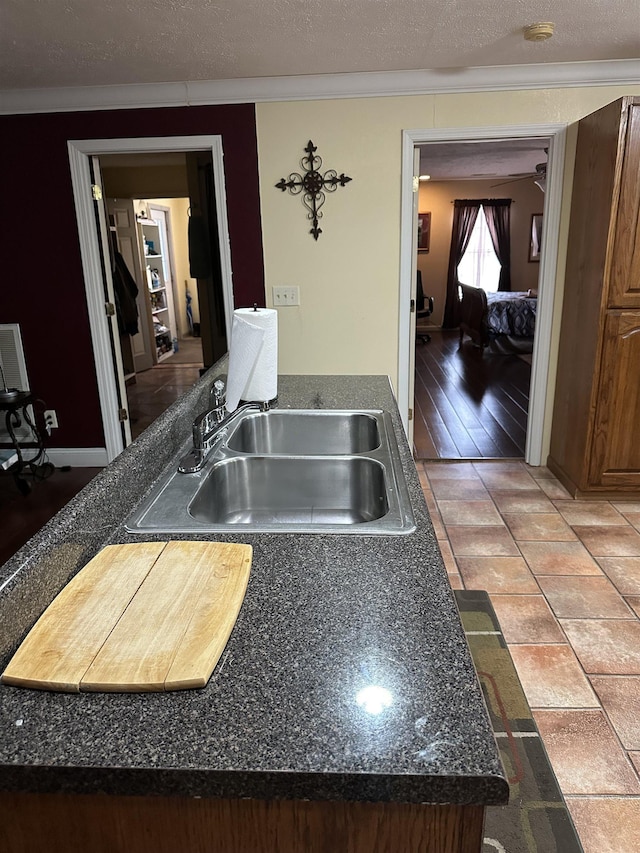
point(61, 823)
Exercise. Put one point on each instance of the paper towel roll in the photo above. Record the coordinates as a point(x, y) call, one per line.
point(253, 356)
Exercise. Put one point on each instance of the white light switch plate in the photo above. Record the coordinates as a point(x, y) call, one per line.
point(286, 296)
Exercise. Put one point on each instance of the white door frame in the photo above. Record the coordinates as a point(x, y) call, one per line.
point(548, 261)
point(79, 152)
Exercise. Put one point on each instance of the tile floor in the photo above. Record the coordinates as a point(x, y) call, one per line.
point(564, 579)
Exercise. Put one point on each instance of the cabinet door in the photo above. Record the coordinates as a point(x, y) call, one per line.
point(624, 288)
point(615, 459)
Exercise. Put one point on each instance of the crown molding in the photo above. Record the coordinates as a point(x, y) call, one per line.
point(322, 86)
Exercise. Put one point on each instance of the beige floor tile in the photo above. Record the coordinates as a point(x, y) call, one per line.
point(589, 512)
point(526, 619)
point(498, 574)
point(554, 489)
point(634, 518)
point(626, 506)
point(605, 646)
point(585, 753)
point(584, 598)
point(634, 603)
point(438, 526)
point(559, 558)
point(522, 500)
point(454, 489)
point(552, 677)
point(538, 526)
point(450, 563)
point(455, 580)
point(501, 466)
point(429, 497)
point(470, 512)
point(623, 572)
point(504, 479)
point(482, 541)
point(607, 824)
point(449, 471)
point(422, 476)
point(635, 760)
point(609, 541)
point(540, 472)
point(620, 698)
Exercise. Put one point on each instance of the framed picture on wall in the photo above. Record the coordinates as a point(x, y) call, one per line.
point(535, 243)
point(424, 231)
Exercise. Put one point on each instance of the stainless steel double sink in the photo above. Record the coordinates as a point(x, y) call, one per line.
point(289, 470)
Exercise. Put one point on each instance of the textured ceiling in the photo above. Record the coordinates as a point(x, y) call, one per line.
point(53, 43)
point(482, 160)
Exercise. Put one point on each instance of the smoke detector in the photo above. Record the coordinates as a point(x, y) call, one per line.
point(539, 32)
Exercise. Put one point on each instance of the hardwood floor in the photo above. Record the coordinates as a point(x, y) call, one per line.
point(468, 404)
point(21, 516)
point(156, 389)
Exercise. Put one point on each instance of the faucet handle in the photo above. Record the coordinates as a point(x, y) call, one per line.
point(218, 392)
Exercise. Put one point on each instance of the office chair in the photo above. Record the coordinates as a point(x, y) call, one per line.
point(424, 309)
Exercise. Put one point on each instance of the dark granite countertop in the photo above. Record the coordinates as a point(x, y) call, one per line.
point(324, 616)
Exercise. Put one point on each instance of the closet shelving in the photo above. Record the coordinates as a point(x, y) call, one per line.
point(156, 265)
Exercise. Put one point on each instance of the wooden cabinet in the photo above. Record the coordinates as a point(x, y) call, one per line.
point(101, 823)
point(595, 435)
point(624, 289)
point(615, 459)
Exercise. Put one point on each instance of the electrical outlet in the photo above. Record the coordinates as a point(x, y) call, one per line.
point(50, 420)
point(286, 296)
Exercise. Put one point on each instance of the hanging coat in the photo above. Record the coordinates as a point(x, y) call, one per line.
point(125, 291)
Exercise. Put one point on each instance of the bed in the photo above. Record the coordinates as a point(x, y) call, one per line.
point(504, 321)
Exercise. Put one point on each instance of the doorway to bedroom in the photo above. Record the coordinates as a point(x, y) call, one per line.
point(472, 382)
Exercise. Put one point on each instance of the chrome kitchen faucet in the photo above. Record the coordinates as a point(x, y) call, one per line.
point(212, 425)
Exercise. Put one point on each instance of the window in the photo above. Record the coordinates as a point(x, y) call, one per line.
point(479, 266)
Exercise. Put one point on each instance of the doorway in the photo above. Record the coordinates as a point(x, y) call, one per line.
point(538, 407)
point(471, 401)
point(108, 361)
point(147, 204)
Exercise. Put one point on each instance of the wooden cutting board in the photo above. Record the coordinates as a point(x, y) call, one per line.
point(137, 618)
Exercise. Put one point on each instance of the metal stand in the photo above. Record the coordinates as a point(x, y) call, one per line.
point(17, 402)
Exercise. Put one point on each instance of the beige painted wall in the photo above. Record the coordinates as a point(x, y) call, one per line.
point(438, 196)
point(349, 279)
point(178, 208)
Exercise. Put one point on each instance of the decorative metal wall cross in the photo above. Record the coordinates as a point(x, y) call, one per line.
point(313, 184)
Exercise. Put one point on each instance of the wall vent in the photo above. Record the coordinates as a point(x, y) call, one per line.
point(14, 369)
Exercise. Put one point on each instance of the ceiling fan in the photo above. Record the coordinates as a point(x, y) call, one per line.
point(539, 176)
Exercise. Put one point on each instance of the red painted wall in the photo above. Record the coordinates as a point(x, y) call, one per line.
point(41, 282)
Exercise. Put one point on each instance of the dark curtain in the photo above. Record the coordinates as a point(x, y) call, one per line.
point(465, 213)
point(497, 212)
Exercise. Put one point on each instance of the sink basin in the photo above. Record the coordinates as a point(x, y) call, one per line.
point(306, 433)
point(286, 471)
point(275, 490)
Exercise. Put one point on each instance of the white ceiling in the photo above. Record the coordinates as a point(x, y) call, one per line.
point(56, 43)
point(481, 161)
